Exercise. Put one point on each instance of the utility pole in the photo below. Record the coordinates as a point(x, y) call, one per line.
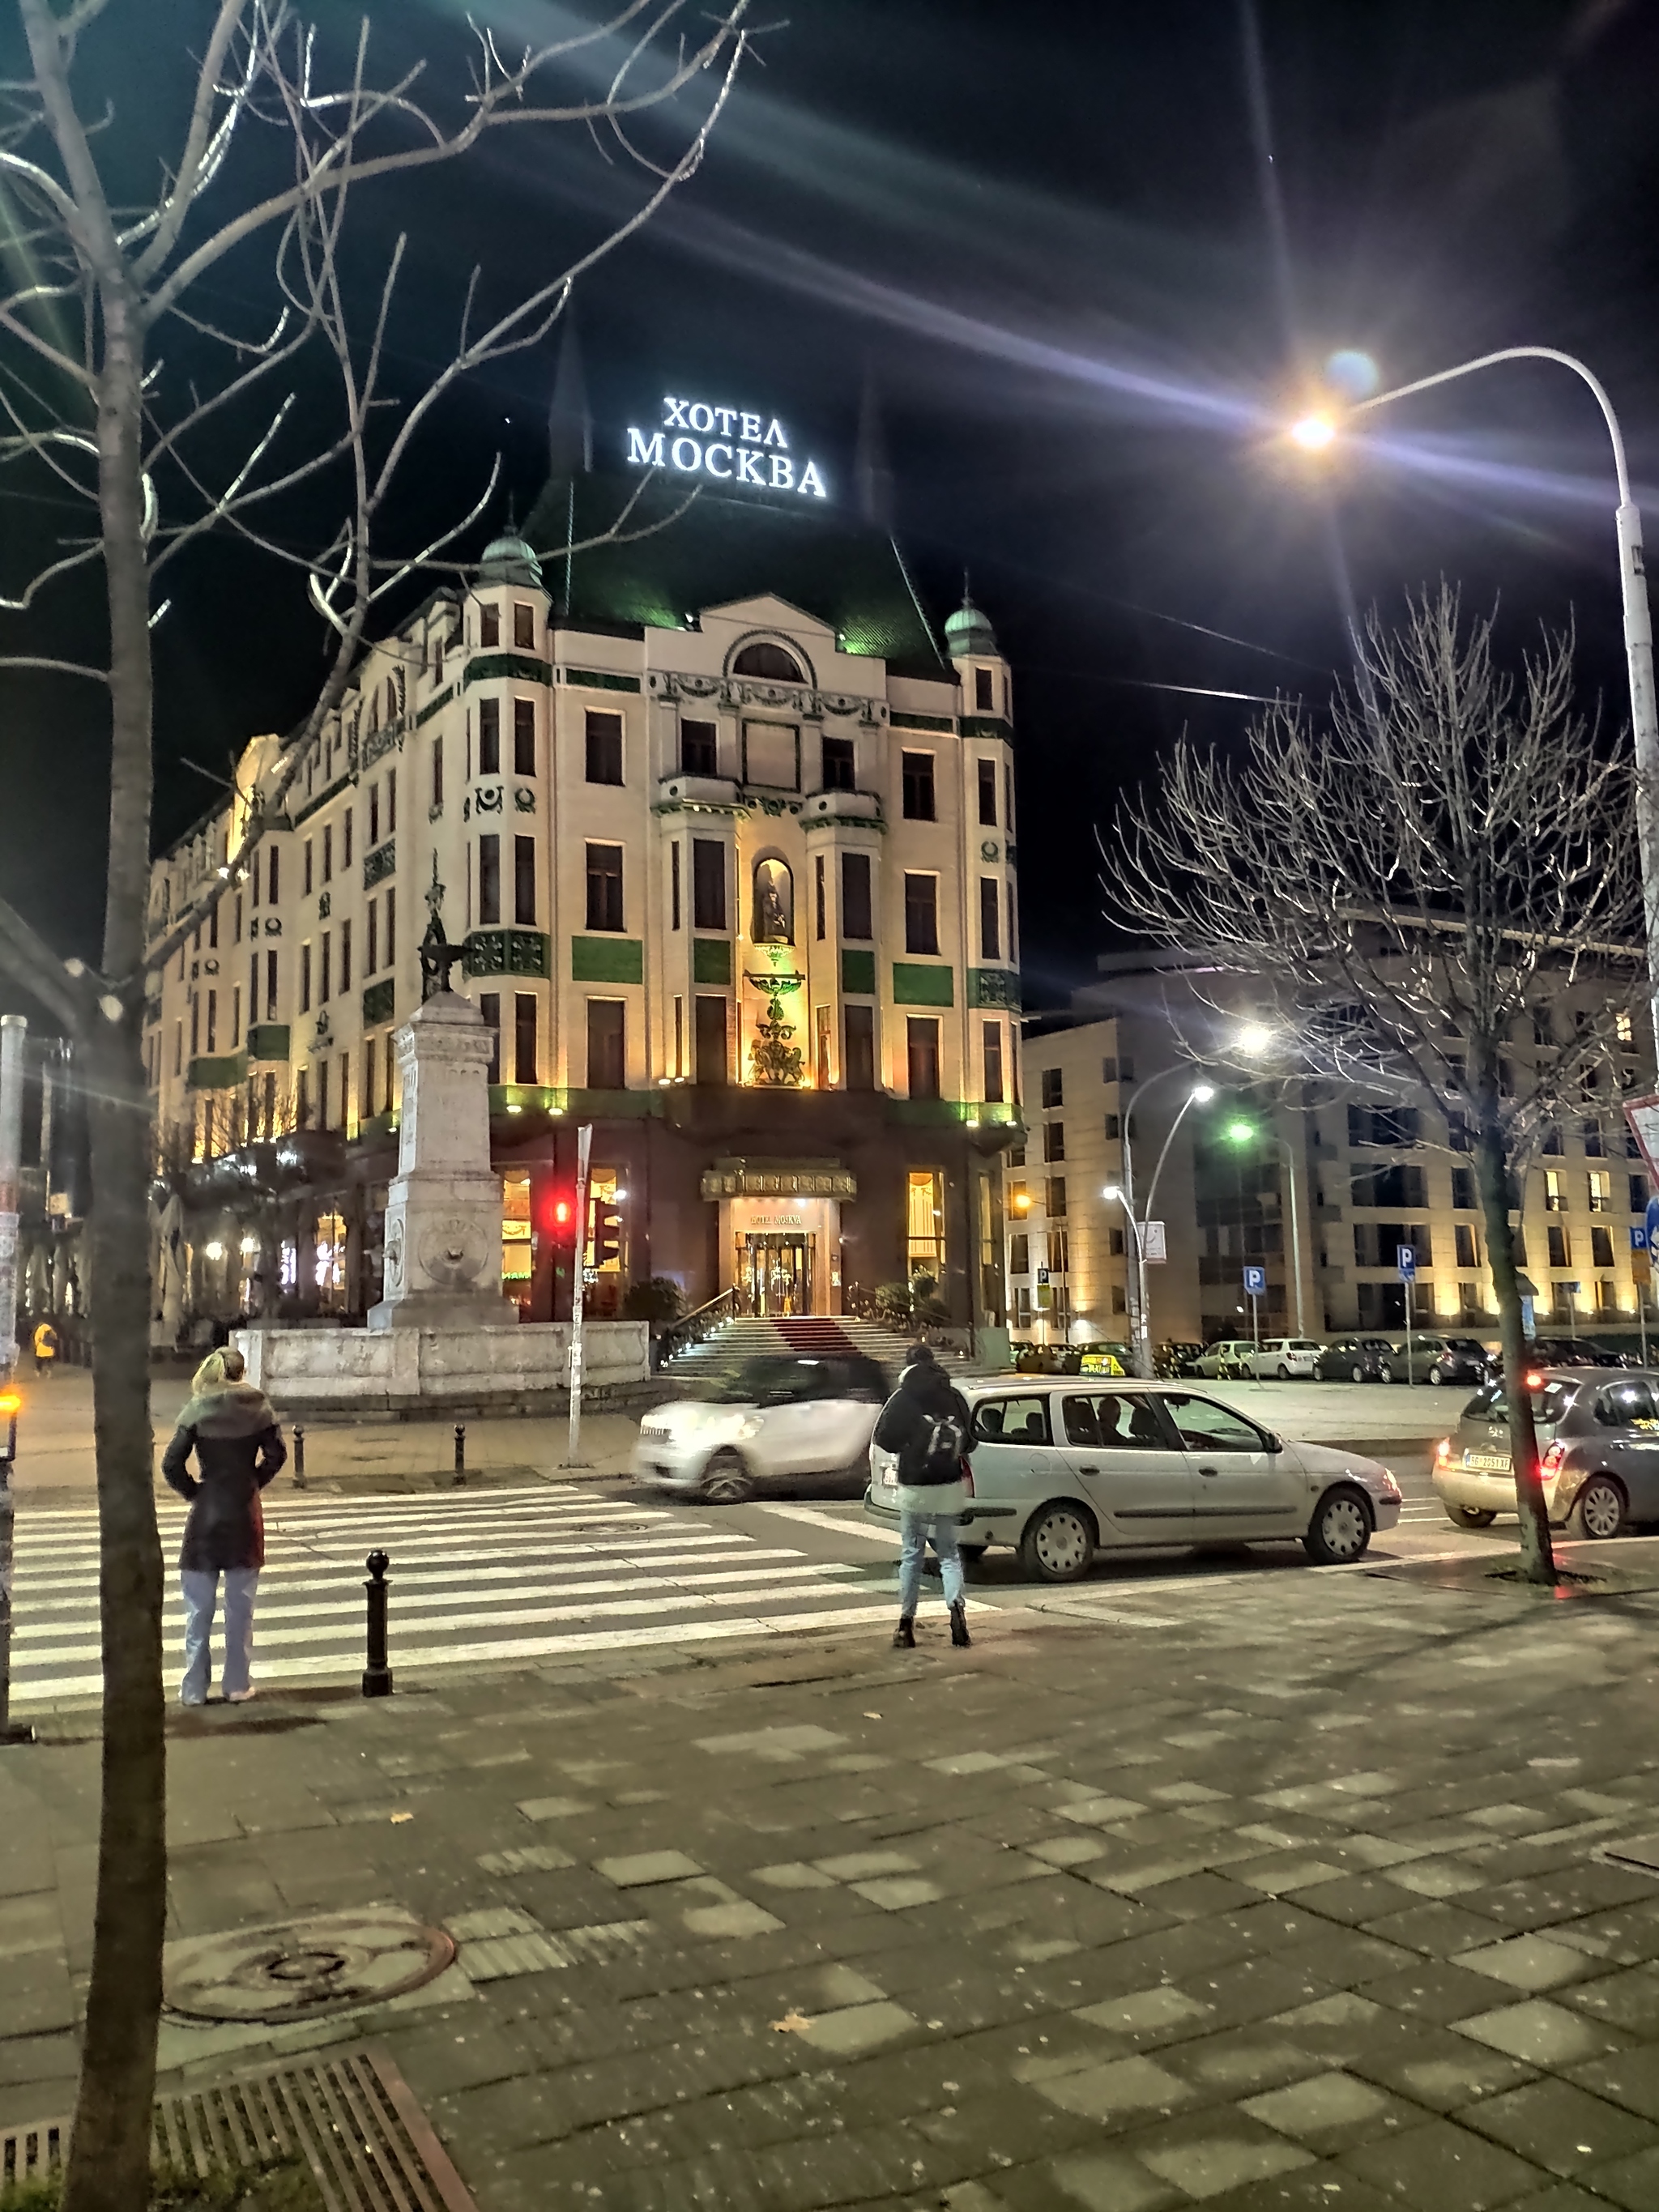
point(584, 1149)
point(13, 1033)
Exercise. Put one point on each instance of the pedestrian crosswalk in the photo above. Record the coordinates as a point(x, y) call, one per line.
point(505, 1576)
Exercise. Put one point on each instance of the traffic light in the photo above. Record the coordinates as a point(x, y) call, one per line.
point(605, 1241)
point(558, 1226)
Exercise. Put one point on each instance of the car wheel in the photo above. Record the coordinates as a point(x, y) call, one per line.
point(1340, 1530)
point(1599, 1511)
point(1283, 1372)
point(971, 1554)
point(1471, 1516)
point(727, 1480)
point(1385, 1373)
point(1058, 1545)
point(1356, 1373)
point(1439, 1375)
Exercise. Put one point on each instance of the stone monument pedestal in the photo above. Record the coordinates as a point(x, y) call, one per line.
point(443, 1222)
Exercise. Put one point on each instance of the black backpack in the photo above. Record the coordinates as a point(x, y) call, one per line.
point(934, 1455)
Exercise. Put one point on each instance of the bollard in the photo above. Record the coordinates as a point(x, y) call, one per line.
point(377, 1676)
point(461, 1451)
point(299, 1457)
point(11, 1731)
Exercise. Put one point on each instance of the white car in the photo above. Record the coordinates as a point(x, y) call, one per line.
point(1064, 1470)
point(777, 1419)
point(1283, 1357)
point(1231, 1356)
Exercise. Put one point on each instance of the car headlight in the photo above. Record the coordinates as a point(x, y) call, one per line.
point(748, 1427)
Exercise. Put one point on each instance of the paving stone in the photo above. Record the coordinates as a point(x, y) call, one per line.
point(1632, 2182)
point(645, 1869)
point(553, 1808)
point(1068, 1851)
point(1560, 2127)
point(1629, 2078)
point(1430, 1989)
point(1629, 2000)
point(1147, 2013)
point(1213, 2153)
point(1525, 1962)
point(1440, 1930)
point(897, 1892)
point(1435, 1877)
point(793, 1873)
point(1323, 2105)
point(865, 1866)
point(1119, 2089)
point(859, 2028)
point(1538, 2032)
point(1111, 2181)
point(1440, 2164)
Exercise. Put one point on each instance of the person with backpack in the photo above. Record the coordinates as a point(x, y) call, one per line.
point(229, 1426)
point(926, 1425)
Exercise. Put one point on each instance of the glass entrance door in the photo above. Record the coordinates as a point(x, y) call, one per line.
point(775, 1274)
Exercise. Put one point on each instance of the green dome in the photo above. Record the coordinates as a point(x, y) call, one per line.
point(508, 560)
point(969, 634)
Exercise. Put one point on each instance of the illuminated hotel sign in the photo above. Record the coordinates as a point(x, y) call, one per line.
point(727, 443)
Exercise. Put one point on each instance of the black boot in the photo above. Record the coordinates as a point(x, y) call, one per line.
point(904, 1636)
point(959, 1635)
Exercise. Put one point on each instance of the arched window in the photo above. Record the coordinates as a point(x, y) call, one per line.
point(769, 662)
point(773, 921)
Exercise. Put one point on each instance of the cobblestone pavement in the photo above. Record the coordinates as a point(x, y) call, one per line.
point(1312, 1898)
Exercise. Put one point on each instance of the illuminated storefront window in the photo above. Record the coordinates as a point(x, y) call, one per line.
point(604, 1273)
point(926, 1222)
point(332, 1262)
point(517, 1253)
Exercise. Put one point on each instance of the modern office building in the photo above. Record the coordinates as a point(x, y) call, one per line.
point(726, 829)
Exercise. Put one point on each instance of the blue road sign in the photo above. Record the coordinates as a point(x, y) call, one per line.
point(1639, 1239)
point(1256, 1282)
point(1652, 1224)
point(1405, 1257)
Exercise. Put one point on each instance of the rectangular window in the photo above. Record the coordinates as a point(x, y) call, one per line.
point(1019, 1253)
point(857, 907)
point(212, 1023)
point(253, 989)
point(990, 919)
point(1053, 1087)
point(1639, 1193)
point(1465, 1197)
point(489, 1005)
point(921, 1045)
point(345, 956)
point(679, 1037)
point(345, 1090)
point(374, 815)
point(604, 747)
point(984, 692)
point(490, 880)
point(273, 872)
point(1550, 1144)
point(916, 783)
point(391, 802)
point(524, 626)
point(605, 892)
point(489, 737)
point(328, 852)
point(437, 801)
point(213, 929)
point(674, 885)
point(924, 1222)
point(325, 971)
point(709, 1040)
point(490, 625)
point(1056, 1198)
point(1560, 1246)
point(372, 953)
point(367, 1107)
point(921, 914)
point(305, 878)
point(1555, 1194)
point(992, 1035)
point(771, 755)
point(523, 737)
point(178, 1047)
point(271, 986)
point(988, 794)
point(1601, 1191)
point(1594, 1149)
point(1601, 1248)
point(524, 1036)
point(1053, 1140)
point(707, 883)
point(253, 887)
point(523, 882)
point(699, 749)
point(346, 839)
point(1113, 1128)
point(1463, 1237)
point(858, 1053)
point(302, 1099)
point(322, 1094)
point(821, 1020)
point(607, 1063)
point(305, 978)
point(819, 917)
point(840, 765)
point(391, 946)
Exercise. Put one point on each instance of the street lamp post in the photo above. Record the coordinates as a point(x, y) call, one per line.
point(1316, 432)
point(1243, 1132)
point(1124, 1194)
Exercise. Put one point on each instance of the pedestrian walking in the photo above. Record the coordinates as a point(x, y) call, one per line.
point(926, 1423)
point(230, 1427)
point(46, 1349)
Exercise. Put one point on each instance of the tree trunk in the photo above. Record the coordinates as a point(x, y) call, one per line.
point(109, 2154)
point(1537, 1550)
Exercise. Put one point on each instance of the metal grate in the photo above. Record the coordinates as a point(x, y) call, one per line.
point(349, 2114)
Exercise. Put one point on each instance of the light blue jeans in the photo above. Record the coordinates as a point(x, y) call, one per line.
point(916, 1532)
point(201, 1588)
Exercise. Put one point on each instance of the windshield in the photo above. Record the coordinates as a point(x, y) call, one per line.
point(766, 1375)
point(1491, 1403)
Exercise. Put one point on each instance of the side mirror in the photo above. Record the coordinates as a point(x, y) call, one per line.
point(1276, 1443)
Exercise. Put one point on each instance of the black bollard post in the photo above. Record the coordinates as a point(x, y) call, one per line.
point(377, 1676)
point(299, 1457)
point(461, 1451)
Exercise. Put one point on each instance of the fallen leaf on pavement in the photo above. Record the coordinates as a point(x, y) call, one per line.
point(398, 1817)
point(873, 1716)
point(792, 2023)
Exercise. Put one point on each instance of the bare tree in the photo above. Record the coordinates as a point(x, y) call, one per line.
point(86, 393)
point(1419, 874)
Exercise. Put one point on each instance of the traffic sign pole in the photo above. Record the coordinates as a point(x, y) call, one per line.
point(1405, 1260)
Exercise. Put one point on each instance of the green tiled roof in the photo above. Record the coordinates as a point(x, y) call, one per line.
point(819, 558)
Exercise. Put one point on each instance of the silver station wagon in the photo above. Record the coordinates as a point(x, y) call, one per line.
point(1598, 1436)
point(1062, 1470)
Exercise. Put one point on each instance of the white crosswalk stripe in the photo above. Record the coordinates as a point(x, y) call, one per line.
point(497, 1577)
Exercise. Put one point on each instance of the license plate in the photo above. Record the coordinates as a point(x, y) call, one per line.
point(1487, 1461)
point(889, 1477)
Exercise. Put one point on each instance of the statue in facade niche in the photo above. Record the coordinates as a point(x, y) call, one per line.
point(774, 919)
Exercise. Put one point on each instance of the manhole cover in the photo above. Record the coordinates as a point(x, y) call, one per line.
point(300, 1969)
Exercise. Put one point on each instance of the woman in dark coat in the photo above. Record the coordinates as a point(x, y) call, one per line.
point(230, 1427)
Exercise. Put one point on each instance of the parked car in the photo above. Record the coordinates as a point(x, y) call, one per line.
point(1283, 1357)
point(1229, 1356)
point(1576, 1352)
point(1599, 1431)
point(1356, 1359)
point(1430, 1358)
point(1177, 1356)
point(1074, 1360)
point(1063, 1471)
point(777, 1419)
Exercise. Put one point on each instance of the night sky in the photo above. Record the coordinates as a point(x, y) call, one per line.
point(1089, 255)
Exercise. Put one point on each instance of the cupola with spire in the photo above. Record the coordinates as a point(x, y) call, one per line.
point(510, 559)
point(967, 633)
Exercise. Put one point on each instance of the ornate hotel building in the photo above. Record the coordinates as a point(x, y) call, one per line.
point(727, 830)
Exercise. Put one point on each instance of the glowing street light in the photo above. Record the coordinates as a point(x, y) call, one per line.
point(1254, 1038)
point(1242, 1133)
point(1313, 433)
point(1124, 1194)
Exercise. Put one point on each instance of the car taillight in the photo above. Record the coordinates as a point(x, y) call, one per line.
point(1552, 1458)
point(968, 1478)
point(1442, 1451)
point(1534, 1381)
